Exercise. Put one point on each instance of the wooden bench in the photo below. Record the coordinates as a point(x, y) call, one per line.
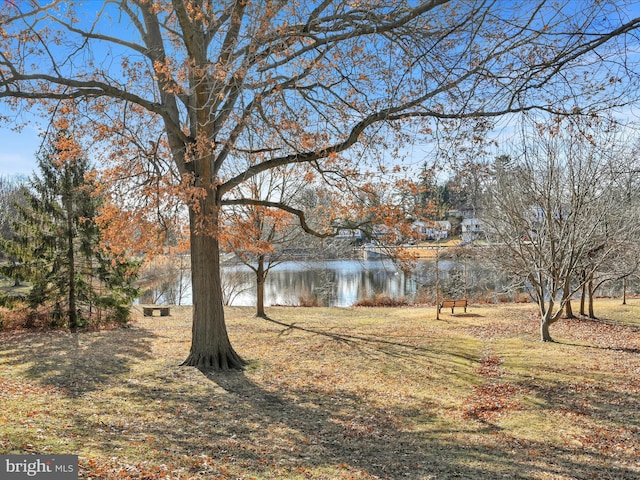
point(148, 311)
point(451, 303)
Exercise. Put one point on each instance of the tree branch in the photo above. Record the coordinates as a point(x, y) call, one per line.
point(281, 206)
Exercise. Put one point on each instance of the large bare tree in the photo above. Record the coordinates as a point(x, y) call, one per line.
point(562, 207)
point(173, 90)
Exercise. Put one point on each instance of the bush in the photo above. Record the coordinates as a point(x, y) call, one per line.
point(309, 300)
point(382, 300)
point(52, 317)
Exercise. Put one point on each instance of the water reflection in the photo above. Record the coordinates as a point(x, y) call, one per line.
point(342, 283)
point(338, 283)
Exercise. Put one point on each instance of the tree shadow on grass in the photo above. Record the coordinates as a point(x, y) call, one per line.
point(249, 429)
point(267, 429)
point(75, 362)
point(600, 334)
point(393, 348)
point(613, 348)
point(337, 431)
point(467, 315)
point(340, 430)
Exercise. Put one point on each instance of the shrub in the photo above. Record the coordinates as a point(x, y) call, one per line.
point(309, 300)
point(382, 300)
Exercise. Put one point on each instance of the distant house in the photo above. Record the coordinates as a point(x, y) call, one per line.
point(432, 230)
point(471, 230)
point(349, 234)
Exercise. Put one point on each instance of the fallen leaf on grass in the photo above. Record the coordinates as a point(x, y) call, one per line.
point(490, 401)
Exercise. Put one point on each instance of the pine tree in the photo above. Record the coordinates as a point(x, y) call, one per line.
point(57, 243)
point(10, 195)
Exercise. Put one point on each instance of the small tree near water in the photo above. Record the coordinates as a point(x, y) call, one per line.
point(260, 235)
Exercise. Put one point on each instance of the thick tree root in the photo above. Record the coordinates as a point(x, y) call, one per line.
point(218, 362)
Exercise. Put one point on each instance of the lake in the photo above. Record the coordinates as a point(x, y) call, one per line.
point(335, 283)
point(342, 283)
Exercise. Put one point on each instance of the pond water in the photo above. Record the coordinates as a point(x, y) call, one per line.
point(342, 283)
point(337, 283)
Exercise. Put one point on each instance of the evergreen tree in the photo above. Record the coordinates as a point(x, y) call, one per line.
point(10, 195)
point(432, 198)
point(57, 243)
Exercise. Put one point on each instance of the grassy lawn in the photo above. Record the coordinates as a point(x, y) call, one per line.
point(335, 394)
point(8, 288)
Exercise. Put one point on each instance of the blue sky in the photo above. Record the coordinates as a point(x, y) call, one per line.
point(18, 150)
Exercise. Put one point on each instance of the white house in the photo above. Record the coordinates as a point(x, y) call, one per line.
point(471, 229)
point(432, 230)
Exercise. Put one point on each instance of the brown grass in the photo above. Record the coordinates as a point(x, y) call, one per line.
point(430, 254)
point(335, 394)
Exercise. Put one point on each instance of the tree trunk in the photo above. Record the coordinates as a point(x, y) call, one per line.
point(624, 291)
point(544, 331)
point(546, 322)
point(210, 345)
point(260, 280)
point(437, 284)
point(591, 294)
point(583, 298)
point(568, 310)
point(73, 313)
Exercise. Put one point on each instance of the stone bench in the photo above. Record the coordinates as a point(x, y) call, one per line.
point(148, 311)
